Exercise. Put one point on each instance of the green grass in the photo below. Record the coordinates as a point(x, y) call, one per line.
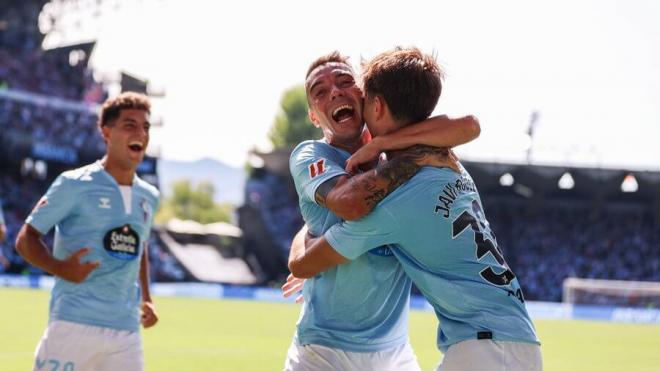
point(202, 334)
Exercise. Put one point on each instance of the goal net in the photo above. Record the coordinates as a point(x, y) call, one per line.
point(609, 292)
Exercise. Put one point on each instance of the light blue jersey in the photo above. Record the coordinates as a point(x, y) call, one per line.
point(358, 307)
point(86, 207)
point(446, 246)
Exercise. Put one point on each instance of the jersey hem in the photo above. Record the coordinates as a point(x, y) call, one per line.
point(93, 323)
point(353, 347)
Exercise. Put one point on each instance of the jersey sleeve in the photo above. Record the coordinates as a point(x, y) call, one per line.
point(354, 238)
point(54, 206)
point(311, 165)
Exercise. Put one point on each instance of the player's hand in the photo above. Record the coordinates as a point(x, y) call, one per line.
point(292, 286)
point(3, 233)
point(73, 270)
point(149, 317)
point(366, 155)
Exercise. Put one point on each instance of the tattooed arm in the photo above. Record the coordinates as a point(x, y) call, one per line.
point(354, 197)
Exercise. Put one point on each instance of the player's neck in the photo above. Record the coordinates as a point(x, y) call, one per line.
point(351, 146)
point(122, 174)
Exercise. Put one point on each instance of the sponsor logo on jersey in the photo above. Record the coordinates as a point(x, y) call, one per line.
point(104, 203)
point(317, 168)
point(122, 243)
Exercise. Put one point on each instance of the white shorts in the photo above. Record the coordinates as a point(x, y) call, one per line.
point(68, 346)
point(313, 357)
point(479, 355)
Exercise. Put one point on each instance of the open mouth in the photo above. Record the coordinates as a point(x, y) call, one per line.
point(136, 146)
point(343, 113)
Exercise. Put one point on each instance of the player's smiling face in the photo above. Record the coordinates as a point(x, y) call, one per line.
point(127, 138)
point(335, 102)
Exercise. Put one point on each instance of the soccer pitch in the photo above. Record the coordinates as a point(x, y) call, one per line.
point(210, 334)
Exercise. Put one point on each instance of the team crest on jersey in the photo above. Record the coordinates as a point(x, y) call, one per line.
point(317, 168)
point(104, 203)
point(122, 243)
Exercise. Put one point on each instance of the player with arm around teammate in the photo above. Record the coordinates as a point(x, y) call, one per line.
point(355, 317)
point(439, 233)
point(102, 214)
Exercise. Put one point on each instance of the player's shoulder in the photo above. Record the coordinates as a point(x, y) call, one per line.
point(147, 189)
point(81, 175)
point(310, 148)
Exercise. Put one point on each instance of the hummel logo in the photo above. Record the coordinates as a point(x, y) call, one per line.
point(104, 203)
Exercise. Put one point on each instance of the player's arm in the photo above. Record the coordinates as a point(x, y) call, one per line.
point(32, 248)
point(316, 258)
point(352, 197)
point(149, 316)
point(437, 131)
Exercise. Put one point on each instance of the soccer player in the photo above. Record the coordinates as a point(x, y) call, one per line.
point(438, 232)
point(354, 317)
point(102, 215)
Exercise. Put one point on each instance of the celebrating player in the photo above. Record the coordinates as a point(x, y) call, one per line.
point(439, 233)
point(354, 317)
point(103, 215)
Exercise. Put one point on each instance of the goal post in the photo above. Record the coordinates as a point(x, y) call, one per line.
point(610, 292)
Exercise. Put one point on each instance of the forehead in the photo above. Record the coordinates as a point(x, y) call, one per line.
point(133, 114)
point(328, 70)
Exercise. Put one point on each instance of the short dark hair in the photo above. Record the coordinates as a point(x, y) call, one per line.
point(408, 80)
point(333, 57)
point(112, 107)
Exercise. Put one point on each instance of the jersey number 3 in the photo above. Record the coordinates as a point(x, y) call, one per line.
point(484, 245)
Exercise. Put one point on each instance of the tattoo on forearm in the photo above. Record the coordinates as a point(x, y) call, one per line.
point(390, 175)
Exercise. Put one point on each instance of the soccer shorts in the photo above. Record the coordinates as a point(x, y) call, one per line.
point(68, 346)
point(479, 355)
point(313, 357)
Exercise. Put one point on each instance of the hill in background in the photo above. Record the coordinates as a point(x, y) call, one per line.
point(228, 181)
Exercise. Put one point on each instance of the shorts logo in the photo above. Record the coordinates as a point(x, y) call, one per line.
point(122, 242)
point(317, 168)
point(104, 203)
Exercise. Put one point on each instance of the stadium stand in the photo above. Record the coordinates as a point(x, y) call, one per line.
point(48, 124)
point(591, 230)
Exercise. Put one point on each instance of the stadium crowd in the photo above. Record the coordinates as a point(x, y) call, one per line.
point(545, 246)
point(48, 124)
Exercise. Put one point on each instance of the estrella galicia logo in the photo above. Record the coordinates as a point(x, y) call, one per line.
point(122, 243)
point(382, 251)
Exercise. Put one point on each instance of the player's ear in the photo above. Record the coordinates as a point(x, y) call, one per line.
point(379, 107)
point(312, 117)
point(105, 132)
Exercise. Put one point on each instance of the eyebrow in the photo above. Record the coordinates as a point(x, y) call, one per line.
point(135, 122)
point(337, 73)
point(315, 84)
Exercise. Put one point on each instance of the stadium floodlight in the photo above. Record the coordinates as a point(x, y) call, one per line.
point(566, 181)
point(506, 180)
point(629, 184)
